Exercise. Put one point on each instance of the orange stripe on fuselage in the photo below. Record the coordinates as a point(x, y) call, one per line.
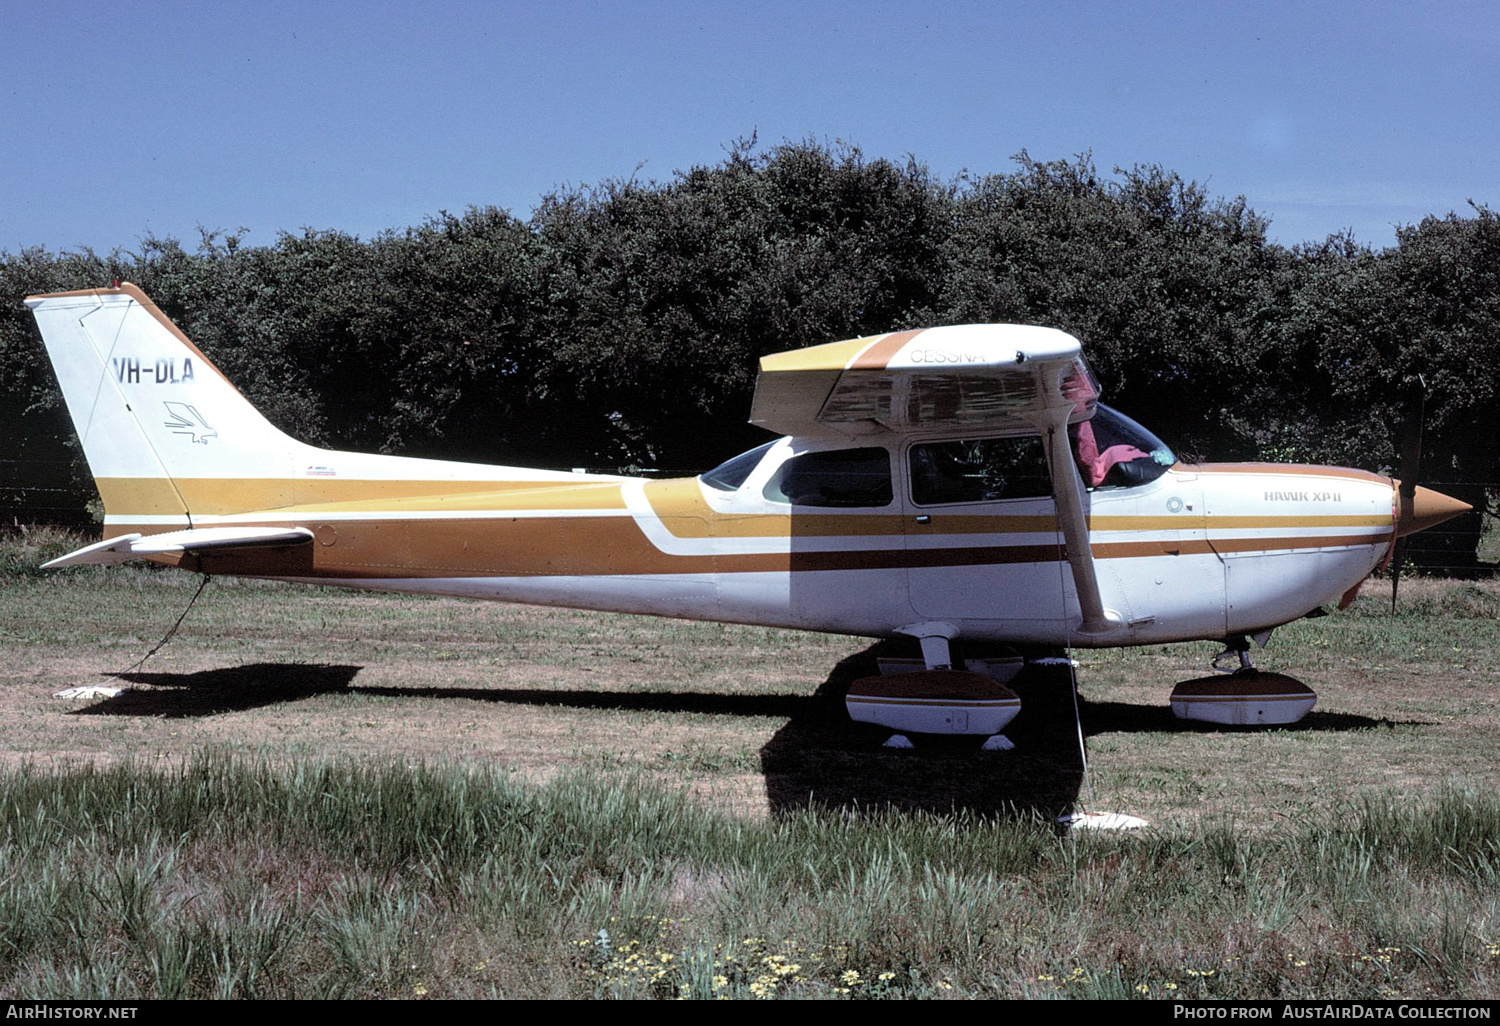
point(1291, 469)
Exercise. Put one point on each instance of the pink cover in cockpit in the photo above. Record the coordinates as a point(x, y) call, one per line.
point(1095, 464)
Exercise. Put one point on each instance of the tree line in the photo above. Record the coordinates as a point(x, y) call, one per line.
point(619, 325)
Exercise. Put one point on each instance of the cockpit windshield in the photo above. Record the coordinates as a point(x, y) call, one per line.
point(730, 474)
point(1114, 451)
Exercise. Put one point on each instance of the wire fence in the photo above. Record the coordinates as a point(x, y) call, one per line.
point(1467, 545)
point(36, 491)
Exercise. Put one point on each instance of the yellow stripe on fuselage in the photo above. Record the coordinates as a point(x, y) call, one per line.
point(146, 496)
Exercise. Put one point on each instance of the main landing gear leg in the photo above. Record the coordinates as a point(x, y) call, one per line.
point(1242, 697)
point(936, 652)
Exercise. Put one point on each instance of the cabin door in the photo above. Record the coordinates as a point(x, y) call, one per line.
point(981, 534)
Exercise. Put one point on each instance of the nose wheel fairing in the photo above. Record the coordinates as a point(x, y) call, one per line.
point(1246, 698)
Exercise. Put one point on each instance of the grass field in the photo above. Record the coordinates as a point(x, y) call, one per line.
point(316, 793)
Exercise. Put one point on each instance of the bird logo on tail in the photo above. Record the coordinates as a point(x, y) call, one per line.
point(186, 420)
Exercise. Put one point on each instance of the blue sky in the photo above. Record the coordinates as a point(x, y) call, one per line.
point(122, 119)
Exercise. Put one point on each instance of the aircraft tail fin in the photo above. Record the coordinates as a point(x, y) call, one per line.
point(164, 432)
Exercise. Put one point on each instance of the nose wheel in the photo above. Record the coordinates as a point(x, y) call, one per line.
point(1236, 648)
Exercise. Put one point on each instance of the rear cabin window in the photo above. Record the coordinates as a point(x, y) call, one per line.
point(842, 478)
point(980, 470)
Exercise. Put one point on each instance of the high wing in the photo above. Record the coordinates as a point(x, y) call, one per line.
point(980, 377)
point(990, 376)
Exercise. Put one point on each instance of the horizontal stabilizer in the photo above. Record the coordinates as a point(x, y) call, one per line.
point(202, 539)
point(105, 553)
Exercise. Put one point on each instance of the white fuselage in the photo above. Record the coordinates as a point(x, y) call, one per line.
point(1200, 552)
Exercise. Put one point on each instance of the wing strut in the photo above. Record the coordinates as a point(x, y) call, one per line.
point(1068, 492)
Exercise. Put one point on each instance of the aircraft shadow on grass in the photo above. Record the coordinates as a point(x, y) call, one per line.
point(232, 689)
point(832, 763)
point(818, 759)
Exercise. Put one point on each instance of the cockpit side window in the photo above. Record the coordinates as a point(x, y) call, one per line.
point(729, 475)
point(841, 478)
point(979, 470)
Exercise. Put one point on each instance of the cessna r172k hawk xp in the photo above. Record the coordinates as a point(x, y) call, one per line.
point(958, 484)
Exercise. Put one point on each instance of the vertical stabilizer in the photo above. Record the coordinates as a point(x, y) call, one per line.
point(159, 424)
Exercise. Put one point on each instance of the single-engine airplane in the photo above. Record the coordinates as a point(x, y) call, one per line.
point(955, 484)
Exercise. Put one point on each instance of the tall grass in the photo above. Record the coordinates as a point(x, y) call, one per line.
point(235, 878)
point(23, 550)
